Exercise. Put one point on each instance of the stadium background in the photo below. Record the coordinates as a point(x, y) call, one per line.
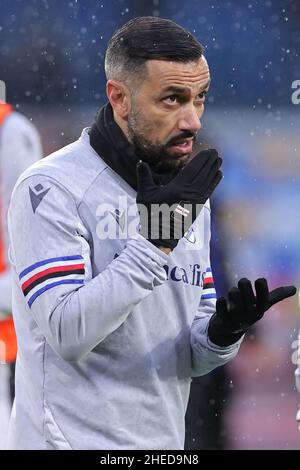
point(51, 59)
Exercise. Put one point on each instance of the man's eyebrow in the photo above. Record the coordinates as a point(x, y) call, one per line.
point(182, 90)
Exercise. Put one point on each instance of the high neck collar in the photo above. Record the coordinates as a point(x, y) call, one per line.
point(111, 144)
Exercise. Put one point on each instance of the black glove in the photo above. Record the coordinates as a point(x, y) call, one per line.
point(183, 198)
point(233, 319)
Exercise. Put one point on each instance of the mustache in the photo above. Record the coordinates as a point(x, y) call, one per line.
point(178, 138)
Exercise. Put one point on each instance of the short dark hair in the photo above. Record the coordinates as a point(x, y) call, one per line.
point(145, 38)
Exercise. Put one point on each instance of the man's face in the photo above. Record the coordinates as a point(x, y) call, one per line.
point(166, 111)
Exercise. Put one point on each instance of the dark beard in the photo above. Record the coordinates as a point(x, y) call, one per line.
point(157, 156)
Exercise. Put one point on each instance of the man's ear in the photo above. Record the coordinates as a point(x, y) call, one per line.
point(119, 98)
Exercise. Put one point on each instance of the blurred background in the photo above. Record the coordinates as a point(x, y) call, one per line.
point(51, 59)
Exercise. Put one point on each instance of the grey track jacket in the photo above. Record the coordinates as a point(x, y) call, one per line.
point(110, 331)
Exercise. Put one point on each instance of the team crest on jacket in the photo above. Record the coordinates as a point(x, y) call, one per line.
point(190, 235)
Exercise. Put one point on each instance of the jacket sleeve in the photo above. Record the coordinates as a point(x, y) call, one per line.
point(20, 148)
point(51, 255)
point(206, 355)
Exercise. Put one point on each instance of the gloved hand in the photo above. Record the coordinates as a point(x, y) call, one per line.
point(183, 198)
point(233, 319)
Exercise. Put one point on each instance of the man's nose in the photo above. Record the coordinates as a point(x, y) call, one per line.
point(189, 121)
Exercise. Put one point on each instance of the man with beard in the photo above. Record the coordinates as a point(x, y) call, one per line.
point(113, 324)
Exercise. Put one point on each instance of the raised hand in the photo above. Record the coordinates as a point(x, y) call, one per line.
point(233, 318)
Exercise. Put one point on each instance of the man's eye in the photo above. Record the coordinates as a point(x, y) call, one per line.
point(171, 98)
point(202, 95)
point(174, 98)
